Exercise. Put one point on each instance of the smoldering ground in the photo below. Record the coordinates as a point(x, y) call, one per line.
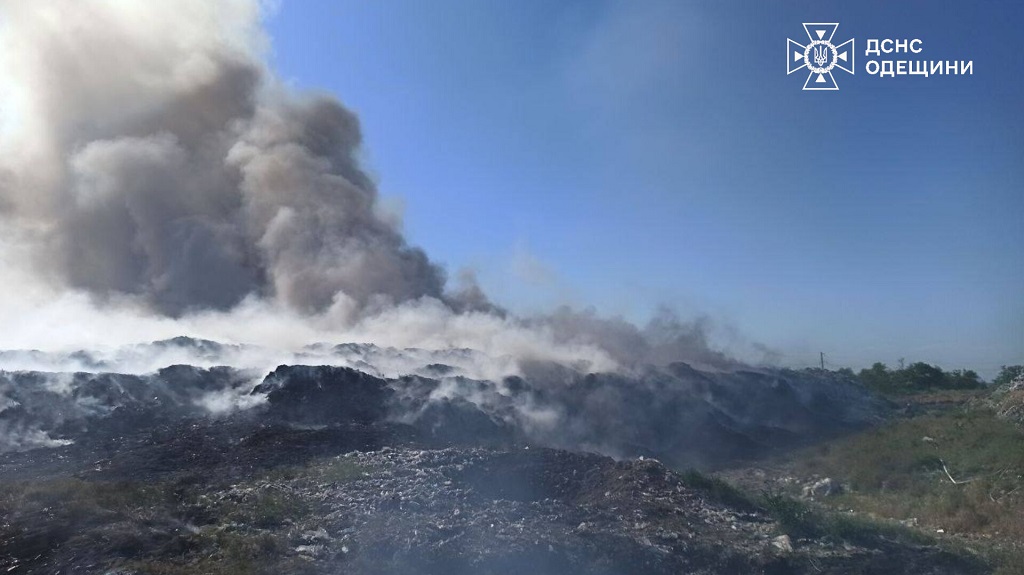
point(156, 181)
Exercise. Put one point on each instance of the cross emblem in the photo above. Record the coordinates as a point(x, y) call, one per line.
point(820, 56)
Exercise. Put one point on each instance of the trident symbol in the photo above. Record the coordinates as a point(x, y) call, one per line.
point(819, 55)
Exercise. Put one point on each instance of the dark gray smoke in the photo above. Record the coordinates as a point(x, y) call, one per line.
point(178, 172)
point(149, 159)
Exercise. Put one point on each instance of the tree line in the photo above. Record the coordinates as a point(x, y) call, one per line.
point(920, 376)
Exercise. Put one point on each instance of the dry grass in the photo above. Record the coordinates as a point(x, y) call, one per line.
point(902, 471)
point(898, 471)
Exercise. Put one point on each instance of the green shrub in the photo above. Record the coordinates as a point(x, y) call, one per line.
point(1007, 374)
point(917, 377)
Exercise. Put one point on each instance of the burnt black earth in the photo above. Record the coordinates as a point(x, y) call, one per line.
point(320, 469)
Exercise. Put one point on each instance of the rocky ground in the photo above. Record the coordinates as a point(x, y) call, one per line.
point(411, 510)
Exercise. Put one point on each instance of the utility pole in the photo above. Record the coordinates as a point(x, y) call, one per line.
point(822, 360)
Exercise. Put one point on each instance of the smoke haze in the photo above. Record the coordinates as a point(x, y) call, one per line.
point(156, 180)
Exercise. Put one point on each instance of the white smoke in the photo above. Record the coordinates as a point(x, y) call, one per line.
point(156, 180)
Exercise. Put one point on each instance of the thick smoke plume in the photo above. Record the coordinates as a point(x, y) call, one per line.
point(162, 162)
point(156, 180)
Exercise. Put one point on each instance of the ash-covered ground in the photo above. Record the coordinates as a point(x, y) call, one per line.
point(333, 469)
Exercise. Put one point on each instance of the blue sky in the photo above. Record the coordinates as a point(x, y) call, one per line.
point(631, 154)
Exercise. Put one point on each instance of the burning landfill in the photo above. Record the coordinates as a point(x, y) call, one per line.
point(159, 184)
